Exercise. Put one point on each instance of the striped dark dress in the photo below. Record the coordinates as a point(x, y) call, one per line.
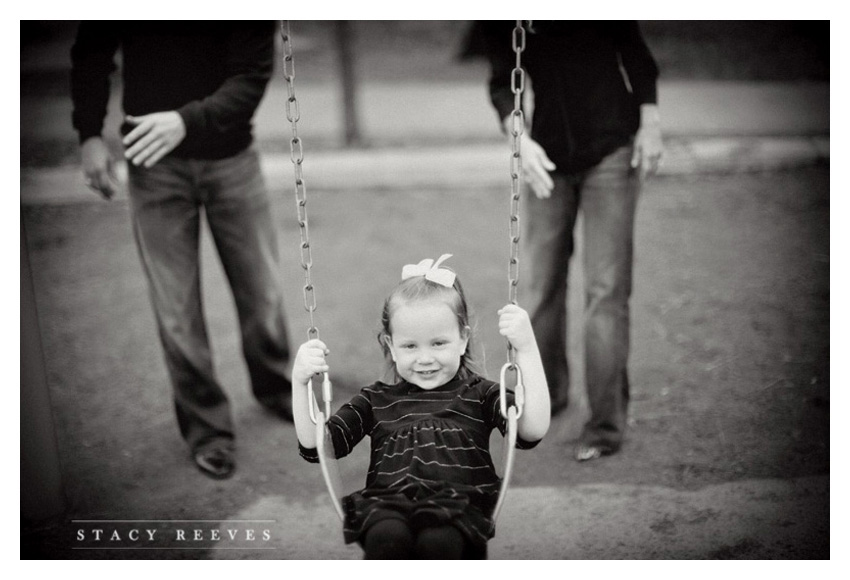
point(430, 460)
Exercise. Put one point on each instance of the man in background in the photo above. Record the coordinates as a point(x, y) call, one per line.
point(190, 92)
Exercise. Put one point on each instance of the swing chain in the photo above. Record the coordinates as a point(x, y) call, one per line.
point(293, 114)
point(517, 128)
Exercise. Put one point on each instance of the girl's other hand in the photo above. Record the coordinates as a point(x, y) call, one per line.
point(309, 361)
point(515, 325)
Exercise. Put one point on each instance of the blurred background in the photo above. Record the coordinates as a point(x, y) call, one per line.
point(343, 66)
point(727, 453)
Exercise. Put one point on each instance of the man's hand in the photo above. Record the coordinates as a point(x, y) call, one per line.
point(648, 147)
point(536, 165)
point(154, 136)
point(99, 167)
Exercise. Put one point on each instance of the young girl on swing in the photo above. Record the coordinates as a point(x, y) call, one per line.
point(431, 485)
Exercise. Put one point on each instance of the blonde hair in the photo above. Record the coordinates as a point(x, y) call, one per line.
point(419, 289)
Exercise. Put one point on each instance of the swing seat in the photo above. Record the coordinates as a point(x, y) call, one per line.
point(324, 444)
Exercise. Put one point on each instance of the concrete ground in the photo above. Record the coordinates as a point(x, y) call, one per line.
point(727, 449)
point(754, 519)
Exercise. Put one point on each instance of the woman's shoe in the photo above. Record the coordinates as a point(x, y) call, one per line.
point(587, 451)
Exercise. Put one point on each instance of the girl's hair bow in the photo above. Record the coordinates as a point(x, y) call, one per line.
point(431, 270)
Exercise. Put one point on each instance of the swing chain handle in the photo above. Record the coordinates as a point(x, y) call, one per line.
point(327, 398)
point(519, 390)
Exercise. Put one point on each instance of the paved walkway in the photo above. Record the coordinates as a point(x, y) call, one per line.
point(450, 140)
point(419, 112)
point(457, 166)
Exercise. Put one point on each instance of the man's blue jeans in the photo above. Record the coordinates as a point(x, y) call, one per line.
point(166, 202)
point(607, 196)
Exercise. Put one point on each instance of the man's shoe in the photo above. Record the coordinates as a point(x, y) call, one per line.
point(215, 462)
point(280, 405)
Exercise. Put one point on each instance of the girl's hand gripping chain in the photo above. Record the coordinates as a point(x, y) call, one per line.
point(515, 325)
point(309, 361)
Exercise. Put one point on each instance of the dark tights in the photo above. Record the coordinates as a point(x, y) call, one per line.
point(394, 540)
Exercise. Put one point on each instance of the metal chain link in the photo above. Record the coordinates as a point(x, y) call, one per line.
point(517, 128)
point(293, 114)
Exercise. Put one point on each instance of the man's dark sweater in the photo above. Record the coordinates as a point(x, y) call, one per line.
point(212, 73)
point(588, 78)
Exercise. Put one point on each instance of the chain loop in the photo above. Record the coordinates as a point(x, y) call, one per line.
point(517, 128)
point(293, 115)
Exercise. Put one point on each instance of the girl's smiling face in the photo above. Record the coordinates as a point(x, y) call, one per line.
point(427, 342)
